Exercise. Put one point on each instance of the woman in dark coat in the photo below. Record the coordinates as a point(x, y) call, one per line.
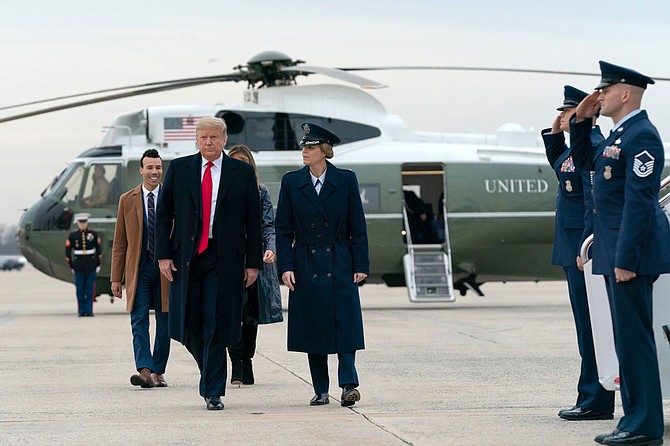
point(262, 300)
point(322, 255)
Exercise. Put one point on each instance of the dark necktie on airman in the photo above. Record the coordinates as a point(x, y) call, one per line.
point(317, 186)
point(206, 207)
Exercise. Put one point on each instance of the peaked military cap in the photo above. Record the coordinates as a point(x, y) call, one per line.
point(571, 97)
point(613, 74)
point(315, 134)
point(82, 216)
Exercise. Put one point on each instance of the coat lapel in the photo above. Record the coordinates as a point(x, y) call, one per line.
point(193, 180)
point(307, 188)
point(228, 174)
point(332, 178)
point(138, 205)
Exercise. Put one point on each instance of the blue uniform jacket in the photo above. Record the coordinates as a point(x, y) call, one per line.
point(630, 229)
point(323, 239)
point(574, 201)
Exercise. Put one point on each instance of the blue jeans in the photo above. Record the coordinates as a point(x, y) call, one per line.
point(147, 295)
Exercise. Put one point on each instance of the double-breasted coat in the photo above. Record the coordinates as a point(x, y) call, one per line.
point(323, 239)
point(127, 247)
point(236, 231)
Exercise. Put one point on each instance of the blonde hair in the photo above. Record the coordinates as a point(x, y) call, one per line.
point(211, 122)
point(327, 150)
point(244, 152)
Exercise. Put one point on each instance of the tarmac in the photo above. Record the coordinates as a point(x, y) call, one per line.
point(490, 370)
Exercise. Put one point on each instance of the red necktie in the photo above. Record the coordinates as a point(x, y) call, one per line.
point(206, 207)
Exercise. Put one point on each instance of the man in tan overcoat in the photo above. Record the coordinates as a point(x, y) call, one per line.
point(133, 259)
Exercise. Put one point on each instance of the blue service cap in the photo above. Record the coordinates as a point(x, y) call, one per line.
point(315, 134)
point(613, 74)
point(571, 97)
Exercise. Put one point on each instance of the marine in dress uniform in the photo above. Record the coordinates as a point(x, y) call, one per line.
point(322, 254)
point(631, 234)
point(573, 224)
point(83, 255)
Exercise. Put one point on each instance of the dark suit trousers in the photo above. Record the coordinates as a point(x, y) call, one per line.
point(201, 336)
point(147, 295)
point(591, 395)
point(641, 398)
point(346, 371)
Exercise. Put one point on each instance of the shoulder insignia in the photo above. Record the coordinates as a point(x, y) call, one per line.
point(643, 164)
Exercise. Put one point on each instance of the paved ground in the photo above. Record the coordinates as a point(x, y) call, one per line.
point(481, 371)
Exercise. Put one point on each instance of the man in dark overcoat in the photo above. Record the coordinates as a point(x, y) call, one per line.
point(631, 236)
point(322, 254)
point(209, 247)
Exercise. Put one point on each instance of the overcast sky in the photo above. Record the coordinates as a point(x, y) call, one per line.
point(50, 49)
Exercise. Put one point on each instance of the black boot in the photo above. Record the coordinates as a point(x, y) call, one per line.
point(247, 372)
point(237, 373)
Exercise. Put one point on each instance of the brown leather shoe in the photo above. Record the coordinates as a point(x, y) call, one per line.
point(144, 379)
point(158, 379)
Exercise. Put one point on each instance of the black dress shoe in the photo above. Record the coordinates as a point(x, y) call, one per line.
point(600, 438)
point(581, 414)
point(214, 403)
point(349, 395)
point(630, 438)
point(319, 400)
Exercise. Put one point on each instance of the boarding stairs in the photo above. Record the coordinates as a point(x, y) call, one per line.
point(427, 267)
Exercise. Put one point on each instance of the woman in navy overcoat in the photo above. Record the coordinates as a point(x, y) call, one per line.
point(322, 255)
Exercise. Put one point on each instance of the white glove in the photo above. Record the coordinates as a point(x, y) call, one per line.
point(97, 270)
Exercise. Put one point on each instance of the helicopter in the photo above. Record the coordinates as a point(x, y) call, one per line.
point(445, 212)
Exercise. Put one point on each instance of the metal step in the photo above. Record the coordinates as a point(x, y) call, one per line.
point(428, 277)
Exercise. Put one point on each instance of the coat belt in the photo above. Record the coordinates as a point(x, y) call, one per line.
point(321, 239)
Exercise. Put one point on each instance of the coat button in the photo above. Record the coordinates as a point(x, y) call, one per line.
point(328, 275)
point(192, 237)
point(327, 249)
point(325, 225)
point(188, 263)
point(312, 225)
point(314, 276)
point(313, 251)
point(594, 211)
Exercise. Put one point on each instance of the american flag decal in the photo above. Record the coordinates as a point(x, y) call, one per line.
point(180, 129)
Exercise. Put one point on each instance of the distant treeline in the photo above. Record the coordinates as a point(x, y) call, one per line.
point(8, 239)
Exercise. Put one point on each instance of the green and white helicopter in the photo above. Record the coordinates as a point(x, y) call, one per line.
point(445, 212)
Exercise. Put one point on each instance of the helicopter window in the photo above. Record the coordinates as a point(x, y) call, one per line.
point(68, 191)
point(281, 131)
point(102, 185)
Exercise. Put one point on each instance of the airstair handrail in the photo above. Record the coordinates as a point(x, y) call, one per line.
point(584, 251)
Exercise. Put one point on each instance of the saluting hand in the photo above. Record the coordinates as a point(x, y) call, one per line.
point(589, 107)
point(289, 279)
point(556, 125)
point(166, 266)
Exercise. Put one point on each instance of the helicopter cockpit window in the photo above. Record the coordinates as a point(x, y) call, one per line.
point(281, 131)
point(68, 190)
point(102, 185)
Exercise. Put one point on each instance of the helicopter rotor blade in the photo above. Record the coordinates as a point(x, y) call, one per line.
point(127, 94)
point(337, 74)
point(215, 78)
point(501, 70)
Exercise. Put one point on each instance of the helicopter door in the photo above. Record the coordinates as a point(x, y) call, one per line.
point(427, 263)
